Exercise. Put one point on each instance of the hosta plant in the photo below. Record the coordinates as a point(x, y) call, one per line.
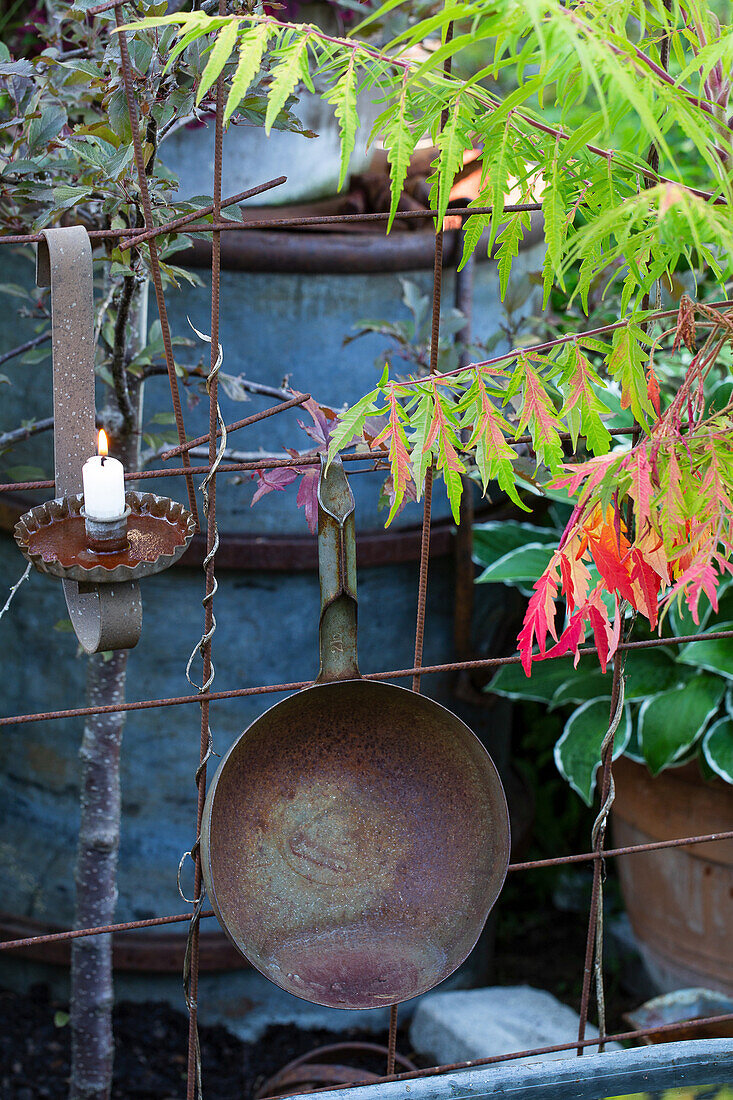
point(678, 698)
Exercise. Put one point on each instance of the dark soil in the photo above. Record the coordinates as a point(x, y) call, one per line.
point(150, 1052)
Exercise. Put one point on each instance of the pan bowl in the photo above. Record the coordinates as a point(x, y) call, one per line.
point(354, 840)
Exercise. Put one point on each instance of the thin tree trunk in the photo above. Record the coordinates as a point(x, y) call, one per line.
point(92, 991)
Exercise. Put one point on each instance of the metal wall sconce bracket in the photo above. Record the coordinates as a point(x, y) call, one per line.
point(106, 613)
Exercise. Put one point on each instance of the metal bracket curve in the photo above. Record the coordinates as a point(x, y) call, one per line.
point(104, 616)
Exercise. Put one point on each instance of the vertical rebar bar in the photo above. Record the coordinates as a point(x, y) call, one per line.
point(153, 249)
point(194, 1068)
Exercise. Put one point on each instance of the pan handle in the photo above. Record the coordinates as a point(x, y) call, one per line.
point(337, 574)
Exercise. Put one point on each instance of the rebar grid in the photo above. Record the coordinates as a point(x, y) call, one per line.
point(133, 237)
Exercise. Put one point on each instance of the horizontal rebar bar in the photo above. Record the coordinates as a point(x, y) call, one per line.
point(530, 865)
point(253, 419)
point(395, 674)
point(630, 850)
point(288, 223)
point(186, 219)
point(102, 930)
point(256, 464)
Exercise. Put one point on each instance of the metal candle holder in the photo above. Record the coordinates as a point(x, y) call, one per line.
point(98, 561)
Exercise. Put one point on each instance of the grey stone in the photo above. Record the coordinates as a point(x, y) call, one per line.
point(464, 1025)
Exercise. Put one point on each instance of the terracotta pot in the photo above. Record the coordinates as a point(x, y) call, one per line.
point(678, 899)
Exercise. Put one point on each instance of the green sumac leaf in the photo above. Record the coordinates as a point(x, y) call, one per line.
point(453, 139)
point(717, 747)
point(578, 751)
point(251, 50)
point(218, 58)
point(555, 214)
point(671, 722)
point(509, 241)
point(399, 143)
point(473, 227)
point(343, 100)
point(627, 364)
point(351, 423)
point(291, 67)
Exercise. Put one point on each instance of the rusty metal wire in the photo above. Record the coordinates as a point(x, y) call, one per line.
point(393, 674)
point(277, 223)
point(245, 423)
point(530, 865)
point(153, 248)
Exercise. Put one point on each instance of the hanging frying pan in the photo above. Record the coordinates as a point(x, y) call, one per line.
point(356, 836)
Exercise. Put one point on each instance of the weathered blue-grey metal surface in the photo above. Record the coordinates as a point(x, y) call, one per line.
point(272, 327)
point(592, 1077)
point(266, 633)
point(266, 623)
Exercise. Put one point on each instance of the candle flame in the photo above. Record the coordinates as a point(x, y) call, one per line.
point(102, 444)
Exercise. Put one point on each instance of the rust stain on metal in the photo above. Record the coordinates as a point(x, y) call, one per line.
point(54, 538)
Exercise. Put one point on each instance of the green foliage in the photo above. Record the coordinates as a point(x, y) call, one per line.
point(567, 100)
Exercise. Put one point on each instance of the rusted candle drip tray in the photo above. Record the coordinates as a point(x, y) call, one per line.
point(53, 538)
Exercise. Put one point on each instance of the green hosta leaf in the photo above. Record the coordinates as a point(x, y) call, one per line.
point(343, 99)
point(496, 538)
point(717, 747)
point(671, 722)
point(681, 620)
point(218, 58)
point(650, 672)
point(715, 655)
point(251, 49)
point(525, 564)
point(581, 687)
point(291, 67)
point(578, 752)
point(546, 679)
point(25, 473)
point(633, 748)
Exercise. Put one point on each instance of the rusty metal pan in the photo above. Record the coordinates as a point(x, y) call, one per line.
point(356, 835)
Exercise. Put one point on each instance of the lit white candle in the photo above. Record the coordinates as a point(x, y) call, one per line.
point(104, 484)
